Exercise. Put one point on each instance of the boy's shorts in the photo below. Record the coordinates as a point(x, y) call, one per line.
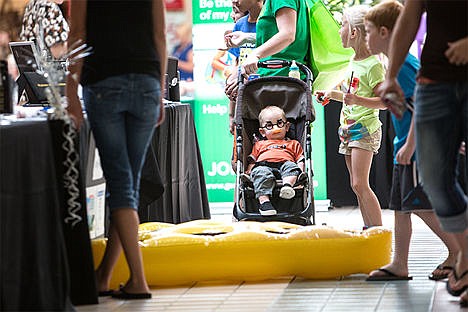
point(407, 194)
point(368, 143)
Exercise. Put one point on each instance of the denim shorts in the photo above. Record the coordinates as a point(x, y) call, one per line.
point(441, 125)
point(123, 111)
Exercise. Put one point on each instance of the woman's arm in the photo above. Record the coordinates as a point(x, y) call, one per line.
point(286, 19)
point(159, 32)
point(77, 34)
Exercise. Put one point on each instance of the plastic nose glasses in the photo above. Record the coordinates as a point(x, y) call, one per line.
point(269, 125)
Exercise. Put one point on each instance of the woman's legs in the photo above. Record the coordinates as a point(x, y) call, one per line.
point(123, 234)
point(123, 111)
point(111, 255)
point(359, 164)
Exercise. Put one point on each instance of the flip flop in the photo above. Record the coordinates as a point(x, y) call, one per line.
point(105, 293)
point(464, 301)
point(458, 292)
point(389, 276)
point(438, 277)
point(122, 294)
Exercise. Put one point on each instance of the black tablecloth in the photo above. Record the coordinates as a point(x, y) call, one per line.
point(45, 263)
point(174, 153)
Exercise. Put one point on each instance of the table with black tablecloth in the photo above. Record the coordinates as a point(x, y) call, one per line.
point(175, 154)
point(46, 263)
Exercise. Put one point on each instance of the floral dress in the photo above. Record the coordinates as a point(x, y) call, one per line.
point(44, 19)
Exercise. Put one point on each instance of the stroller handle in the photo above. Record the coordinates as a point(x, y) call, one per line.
point(278, 63)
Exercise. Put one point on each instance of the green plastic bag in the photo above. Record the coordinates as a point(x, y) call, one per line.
point(329, 59)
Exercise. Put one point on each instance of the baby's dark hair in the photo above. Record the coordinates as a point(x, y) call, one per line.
point(385, 14)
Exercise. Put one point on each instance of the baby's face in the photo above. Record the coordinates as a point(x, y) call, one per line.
point(274, 126)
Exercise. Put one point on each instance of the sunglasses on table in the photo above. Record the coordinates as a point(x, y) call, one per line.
point(279, 123)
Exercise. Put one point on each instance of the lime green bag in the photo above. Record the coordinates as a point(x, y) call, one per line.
point(329, 59)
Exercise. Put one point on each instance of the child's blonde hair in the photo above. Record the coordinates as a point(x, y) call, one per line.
point(385, 14)
point(272, 109)
point(355, 17)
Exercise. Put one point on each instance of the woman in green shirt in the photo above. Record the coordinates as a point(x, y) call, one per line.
point(282, 33)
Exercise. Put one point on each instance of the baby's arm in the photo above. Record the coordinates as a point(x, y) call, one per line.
point(249, 168)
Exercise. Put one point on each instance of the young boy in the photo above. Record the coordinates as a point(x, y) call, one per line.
point(277, 155)
point(379, 23)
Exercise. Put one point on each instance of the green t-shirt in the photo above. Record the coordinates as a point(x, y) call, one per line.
point(358, 121)
point(266, 28)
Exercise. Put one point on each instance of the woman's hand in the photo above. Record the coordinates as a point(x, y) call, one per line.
point(390, 86)
point(75, 112)
point(457, 53)
point(250, 65)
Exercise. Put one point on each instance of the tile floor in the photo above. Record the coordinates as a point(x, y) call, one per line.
point(350, 293)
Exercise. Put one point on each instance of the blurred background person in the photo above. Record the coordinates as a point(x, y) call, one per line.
point(44, 19)
point(184, 51)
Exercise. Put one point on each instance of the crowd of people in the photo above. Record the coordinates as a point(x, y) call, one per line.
point(434, 135)
point(430, 133)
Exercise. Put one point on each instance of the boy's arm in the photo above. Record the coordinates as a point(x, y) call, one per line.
point(403, 36)
point(404, 155)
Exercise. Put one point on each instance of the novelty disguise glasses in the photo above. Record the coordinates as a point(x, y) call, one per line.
point(269, 125)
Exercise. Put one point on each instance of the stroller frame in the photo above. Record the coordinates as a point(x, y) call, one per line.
point(306, 214)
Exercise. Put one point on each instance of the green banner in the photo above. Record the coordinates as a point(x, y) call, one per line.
point(211, 11)
point(211, 19)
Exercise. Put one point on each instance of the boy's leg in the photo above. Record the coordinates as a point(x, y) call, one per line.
point(402, 233)
point(264, 181)
point(289, 172)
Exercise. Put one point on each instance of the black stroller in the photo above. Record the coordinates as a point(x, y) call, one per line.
point(294, 96)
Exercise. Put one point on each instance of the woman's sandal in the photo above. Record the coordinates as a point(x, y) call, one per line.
point(437, 277)
point(457, 292)
point(464, 299)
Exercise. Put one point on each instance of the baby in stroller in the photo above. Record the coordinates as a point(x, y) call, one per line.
point(276, 156)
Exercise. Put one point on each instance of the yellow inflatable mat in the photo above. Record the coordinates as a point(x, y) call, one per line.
point(206, 250)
